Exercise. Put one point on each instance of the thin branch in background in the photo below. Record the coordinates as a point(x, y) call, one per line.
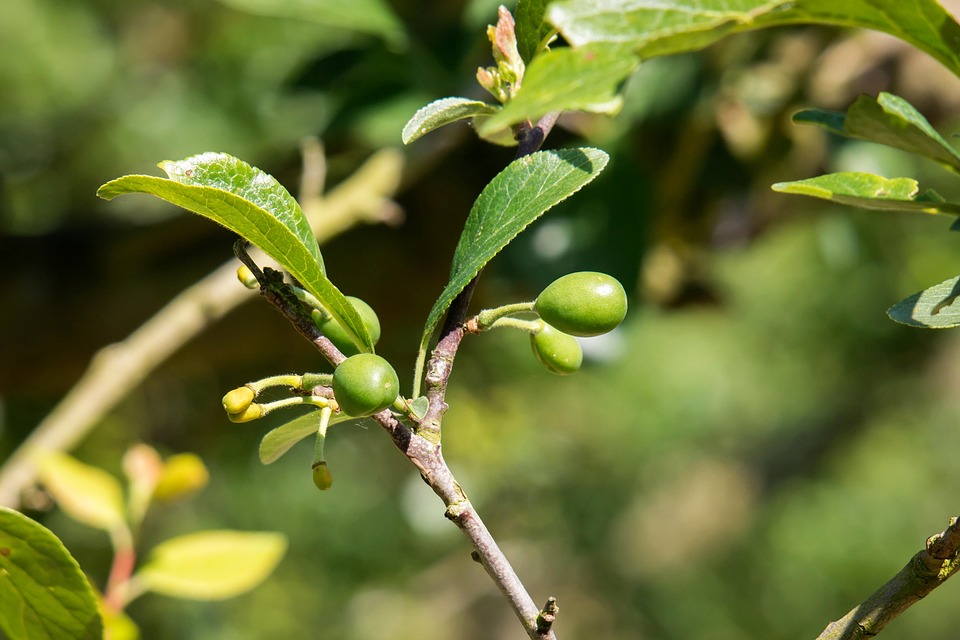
point(117, 369)
point(926, 571)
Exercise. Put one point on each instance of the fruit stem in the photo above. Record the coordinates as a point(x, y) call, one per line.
point(321, 435)
point(284, 380)
point(487, 317)
point(316, 401)
point(527, 326)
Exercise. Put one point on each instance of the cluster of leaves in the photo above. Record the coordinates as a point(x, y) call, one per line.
point(46, 595)
point(892, 121)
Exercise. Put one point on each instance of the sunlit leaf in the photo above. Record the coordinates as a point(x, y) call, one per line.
point(255, 206)
point(87, 494)
point(922, 23)
point(364, 16)
point(888, 120)
point(618, 32)
point(564, 79)
point(654, 28)
point(280, 440)
point(517, 196)
point(211, 565)
point(441, 112)
point(934, 308)
point(870, 192)
point(43, 593)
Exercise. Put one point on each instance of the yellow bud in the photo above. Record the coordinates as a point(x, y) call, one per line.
point(246, 277)
point(238, 400)
point(252, 412)
point(183, 474)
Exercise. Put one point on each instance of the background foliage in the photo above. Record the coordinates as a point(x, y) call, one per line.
point(753, 452)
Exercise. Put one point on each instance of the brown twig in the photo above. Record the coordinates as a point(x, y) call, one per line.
point(428, 458)
point(926, 571)
point(425, 453)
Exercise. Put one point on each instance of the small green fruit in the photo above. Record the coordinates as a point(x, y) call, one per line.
point(365, 384)
point(322, 476)
point(338, 336)
point(586, 303)
point(559, 352)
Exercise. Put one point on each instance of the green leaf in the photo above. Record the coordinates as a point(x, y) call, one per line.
point(888, 120)
point(420, 406)
point(922, 23)
point(565, 79)
point(441, 112)
point(654, 28)
point(530, 27)
point(280, 440)
point(255, 206)
point(364, 16)
point(211, 565)
point(517, 196)
point(43, 593)
point(933, 308)
point(870, 192)
point(832, 121)
point(87, 494)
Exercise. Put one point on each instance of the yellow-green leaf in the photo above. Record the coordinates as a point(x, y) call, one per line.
point(211, 565)
point(870, 191)
point(87, 494)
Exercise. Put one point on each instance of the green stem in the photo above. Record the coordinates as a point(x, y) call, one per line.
point(489, 316)
point(527, 326)
point(285, 380)
point(321, 435)
point(308, 299)
point(295, 401)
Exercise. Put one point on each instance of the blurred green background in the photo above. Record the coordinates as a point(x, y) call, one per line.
point(750, 455)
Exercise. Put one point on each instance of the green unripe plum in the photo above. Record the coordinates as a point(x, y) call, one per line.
point(338, 336)
point(586, 303)
point(365, 384)
point(559, 352)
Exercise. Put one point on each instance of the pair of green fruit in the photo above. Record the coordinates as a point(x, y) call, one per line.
point(585, 304)
point(364, 383)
